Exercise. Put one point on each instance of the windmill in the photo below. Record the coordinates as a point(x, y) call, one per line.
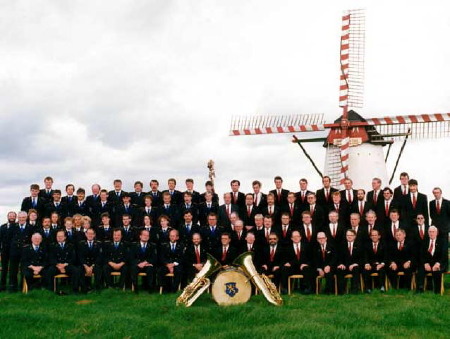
point(354, 145)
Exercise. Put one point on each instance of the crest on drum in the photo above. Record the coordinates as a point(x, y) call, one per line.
point(231, 289)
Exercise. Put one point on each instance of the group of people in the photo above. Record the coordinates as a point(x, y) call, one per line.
point(329, 233)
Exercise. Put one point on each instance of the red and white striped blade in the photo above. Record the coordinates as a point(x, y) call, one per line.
point(278, 129)
point(409, 119)
point(345, 145)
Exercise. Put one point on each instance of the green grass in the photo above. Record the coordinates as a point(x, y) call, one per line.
point(118, 314)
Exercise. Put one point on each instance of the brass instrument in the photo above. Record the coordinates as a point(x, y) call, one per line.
point(200, 283)
point(262, 282)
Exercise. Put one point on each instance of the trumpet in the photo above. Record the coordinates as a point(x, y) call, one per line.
point(200, 283)
point(262, 282)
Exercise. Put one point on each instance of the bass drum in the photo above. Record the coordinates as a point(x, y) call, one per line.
point(231, 287)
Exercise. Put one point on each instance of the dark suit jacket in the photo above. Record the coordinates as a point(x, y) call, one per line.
point(6, 235)
point(186, 235)
point(295, 214)
point(291, 257)
point(191, 257)
point(103, 234)
point(410, 213)
point(176, 197)
point(276, 213)
point(379, 204)
point(344, 197)
point(70, 204)
point(113, 198)
point(83, 209)
point(321, 198)
point(211, 240)
point(330, 259)
point(339, 236)
point(40, 205)
point(61, 209)
point(20, 239)
point(367, 207)
point(116, 255)
point(193, 208)
point(215, 198)
point(90, 256)
point(224, 221)
point(371, 258)
point(172, 212)
point(31, 257)
point(137, 199)
point(278, 259)
point(442, 219)
point(137, 255)
point(440, 254)
point(400, 257)
point(283, 196)
point(153, 214)
point(285, 240)
point(49, 239)
point(382, 216)
point(347, 259)
point(343, 211)
point(262, 201)
point(246, 218)
point(97, 210)
point(47, 197)
point(157, 198)
point(232, 254)
point(168, 256)
point(302, 202)
point(398, 194)
point(203, 211)
point(58, 255)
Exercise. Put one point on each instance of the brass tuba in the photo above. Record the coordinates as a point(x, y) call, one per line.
point(262, 282)
point(200, 283)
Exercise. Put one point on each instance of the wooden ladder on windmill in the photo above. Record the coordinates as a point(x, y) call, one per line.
point(354, 145)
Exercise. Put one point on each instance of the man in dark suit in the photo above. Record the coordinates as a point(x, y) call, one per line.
point(115, 196)
point(128, 231)
point(238, 198)
point(285, 230)
point(21, 235)
point(325, 261)
point(225, 211)
point(47, 191)
point(196, 256)
point(172, 260)
point(176, 196)
point(115, 259)
point(391, 227)
point(6, 235)
point(272, 259)
point(93, 199)
point(375, 259)
point(308, 231)
point(188, 205)
point(360, 232)
point(33, 201)
point(361, 206)
point(69, 200)
point(375, 196)
point(90, 260)
point(280, 194)
point(259, 198)
point(297, 260)
point(143, 259)
point(100, 207)
point(341, 207)
point(126, 208)
point(248, 212)
point(370, 225)
point(188, 228)
point(272, 209)
point(105, 229)
point(137, 197)
point(48, 234)
point(211, 233)
point(317, 212)
point(155, 193)
point(62, 259)
point(164, 229)
point(418, 235)
point(238, 235)
point(403, 189)
point(349, 262)
point(413, 204)
point(250, 245)
point(56, 206)
point(225, 253)
point(169, 209)
point(433, 259)
point(293, 208)
point(389, 204)
point(206, 207)
point(148, 210)
point(81, 206)
point(262, 236)
point(349, 194)
point(34, 260)
point(440, 214)
point(303, 194)
point(324, 194)
point(209, 188)
point(334, 230)
point(190, 189)
point(401, 258)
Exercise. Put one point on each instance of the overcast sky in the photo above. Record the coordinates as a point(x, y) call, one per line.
point(93, 90)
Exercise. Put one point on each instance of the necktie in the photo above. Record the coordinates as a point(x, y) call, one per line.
point(334, 230)
point(62, 246)
point(248, 211)
point(209, 205)
point(228, 211)
point(143, 248)
point(297, 251)
point(400, 246)
point(90, 244)
point(116, 245)
point(370, 228)
point(284, 231)
point(375, 248)
point(188, 227)
point(272, 253)
point(308, 233)
point(375, 197)
point(197, 255)
point(394, 229)
point(438, 207)
point(173, 247)
point(361, 208)
point(34, 202)
point(414, 200)
point(239, 235)
point(327, 195)
point(323, 252)
point(303, 197)
point(336, 206)
point(267, 234)
point(224, 254)
point(235, 197)
point(117, 194)
point(349, 198)
point(311, 210)
point(256, 199)
point(386, 209)
point(213, 230)
point(103, 204)
point(36, 249)
point(57, 204)
point(292, 210)
point(350, 248)
point(404, 190)
point(421, 233)
point(279, 196)
point(270, 210)
point(431, 248)
point(22, 228)
point(46, 232)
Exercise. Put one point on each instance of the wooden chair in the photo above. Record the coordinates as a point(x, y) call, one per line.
point(55, 280)
point(292, 279)
point(168, 275)
point(402, 274)
point(141, 274)
point(373, 275)
point(441, 289)
point(25, 285)
point(117, 274)
point(347, 277)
